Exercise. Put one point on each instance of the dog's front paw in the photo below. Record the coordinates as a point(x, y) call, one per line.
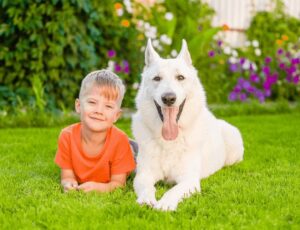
point(147, 199)
point(166, 204)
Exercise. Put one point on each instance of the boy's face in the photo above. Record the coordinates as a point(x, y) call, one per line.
point(97, 113)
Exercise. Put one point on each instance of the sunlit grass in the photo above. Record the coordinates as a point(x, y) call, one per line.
point(262, 192)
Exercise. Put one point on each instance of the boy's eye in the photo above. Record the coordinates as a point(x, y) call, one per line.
point(109, 106)
point(91, 102)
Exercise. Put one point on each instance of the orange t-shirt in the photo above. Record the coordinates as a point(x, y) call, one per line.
point(115, 157)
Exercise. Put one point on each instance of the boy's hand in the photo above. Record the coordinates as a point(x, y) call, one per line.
point(89, 186)
point(69, 185)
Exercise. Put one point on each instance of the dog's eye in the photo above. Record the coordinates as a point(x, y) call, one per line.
point(157, 78)
point(180, 78)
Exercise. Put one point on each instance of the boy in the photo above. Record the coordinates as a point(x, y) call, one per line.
point(93, 154)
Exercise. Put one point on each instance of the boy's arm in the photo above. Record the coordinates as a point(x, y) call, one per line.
point(68, 180)
point(116, 181)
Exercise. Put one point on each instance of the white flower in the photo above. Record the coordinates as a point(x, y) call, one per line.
point(165, 39)
point(155, 43)
point(147, 25)
point(151, 31)
point(257, 52)
point(140, 23)
point(232, 60)
point(254, 66)
point(127, 4)
point(120, 12)
point(143, 48)
point(246, 65)
point(174, 53)
point(135, 85)
point(169, 16)
point(111, 65)
point(247, 43)
point(227, 50)
point(159, 47)
point(255, 43)
point(234, 53)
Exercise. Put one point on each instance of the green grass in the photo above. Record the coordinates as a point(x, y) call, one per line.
point(262, 192)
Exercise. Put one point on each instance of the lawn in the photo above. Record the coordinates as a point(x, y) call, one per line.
point(262, 192)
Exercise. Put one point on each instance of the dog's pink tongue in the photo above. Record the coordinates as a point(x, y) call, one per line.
point(170, 126)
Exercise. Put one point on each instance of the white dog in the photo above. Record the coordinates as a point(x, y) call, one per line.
point(180, 141)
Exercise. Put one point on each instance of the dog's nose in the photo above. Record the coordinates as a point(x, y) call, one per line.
point(168, 98)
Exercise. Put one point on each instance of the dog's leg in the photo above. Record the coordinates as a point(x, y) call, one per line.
point(171, 198)
point(144, 188)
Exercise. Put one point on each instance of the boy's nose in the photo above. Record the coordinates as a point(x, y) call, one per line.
point(99, 109)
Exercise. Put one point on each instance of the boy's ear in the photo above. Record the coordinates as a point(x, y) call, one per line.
point(77, 105)
point(118, 115)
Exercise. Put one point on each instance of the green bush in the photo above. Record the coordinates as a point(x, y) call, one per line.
point(49, 46)
point(59, 42)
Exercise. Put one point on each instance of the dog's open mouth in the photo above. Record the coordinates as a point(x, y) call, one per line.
point(169, 115)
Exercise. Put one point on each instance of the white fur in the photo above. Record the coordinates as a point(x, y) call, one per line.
point(204, 144)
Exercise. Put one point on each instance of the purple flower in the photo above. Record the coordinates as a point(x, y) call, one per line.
point(251, 89)
point(295, 61)
point(242, 61)
point(281, 65)
point(261, 99)
point(254, 78)
point(243, 96)
point(126, 69)
point(111, 53)
point(233, 96)
point(233, 67)
point(219, 42)
point(251, 67)
point(268, 60)
point(267, 85)
point(241, 81)
point(260, 96)
point(237, 89)
point(289, 78)
point(291, 70)
point(267, 93)
point(118, 68)
point(266, 70)
point(211, 53)
point(125, 63)
point(246, 84)
point(296, 79)
point(280, 51)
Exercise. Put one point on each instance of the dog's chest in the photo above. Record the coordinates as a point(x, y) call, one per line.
point(171, 158)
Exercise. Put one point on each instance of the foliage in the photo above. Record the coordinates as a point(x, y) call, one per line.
point(169, 22)
point(53, 45)
point(273, 29)
point(269, 66)
point(59, 42)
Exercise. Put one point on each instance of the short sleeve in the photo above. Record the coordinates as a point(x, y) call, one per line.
point(63, 154)
point(123, 161)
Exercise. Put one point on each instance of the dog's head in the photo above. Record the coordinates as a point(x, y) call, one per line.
point(168, 83)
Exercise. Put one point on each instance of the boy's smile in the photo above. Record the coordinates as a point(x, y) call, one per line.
point(97, 113)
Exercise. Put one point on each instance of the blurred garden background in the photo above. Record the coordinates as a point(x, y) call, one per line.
point(245, 51)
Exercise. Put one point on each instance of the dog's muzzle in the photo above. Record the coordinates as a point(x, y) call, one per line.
point(158, 107)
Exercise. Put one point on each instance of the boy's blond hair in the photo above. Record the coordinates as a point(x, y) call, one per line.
point(110, 84)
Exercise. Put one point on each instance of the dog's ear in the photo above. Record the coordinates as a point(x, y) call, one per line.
point(150, 54)
point(184, 53)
